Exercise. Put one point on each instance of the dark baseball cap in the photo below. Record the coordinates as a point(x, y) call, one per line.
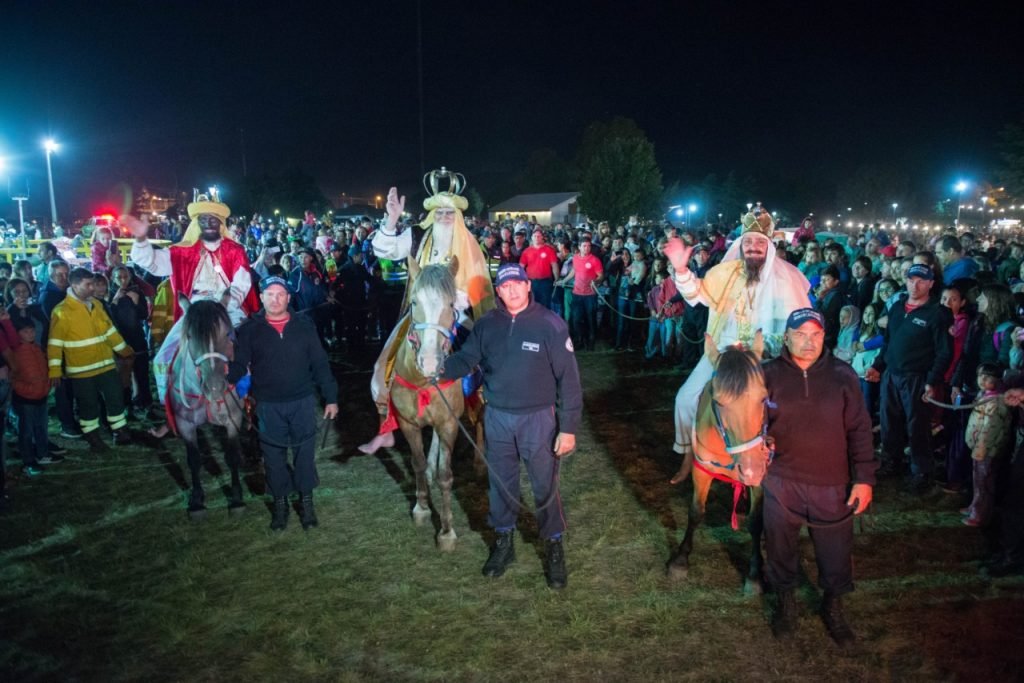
point(266, 282)
point(803, 315)
point(920, 270)
point(509, 272)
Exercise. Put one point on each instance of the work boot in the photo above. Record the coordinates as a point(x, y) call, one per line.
point(503, 553)
point(308, 517)
point(121, 437)
point(835, 622)
point(279, 519)
point(785, 622)
point(96, 444)
point(554, 564)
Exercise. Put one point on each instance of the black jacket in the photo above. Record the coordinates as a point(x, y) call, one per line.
point(820, 424)
point(527, 362)
point(286, 366)
point(918, 342)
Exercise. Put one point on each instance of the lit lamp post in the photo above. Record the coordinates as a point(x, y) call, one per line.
point(959, 187)
point(894, 207)
point(50, 146)
point(376, 204)
point(691, 209)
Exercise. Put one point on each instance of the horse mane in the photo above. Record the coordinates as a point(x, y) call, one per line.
point(206, 320)
point(737, 369)
point(435, 277)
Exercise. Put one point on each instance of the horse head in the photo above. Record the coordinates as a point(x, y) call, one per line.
point(432, 315)
point(206, 337)
point(739, 396)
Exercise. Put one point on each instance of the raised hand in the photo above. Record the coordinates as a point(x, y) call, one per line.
point(139, 228)
point(394, 208)
point(678, 254)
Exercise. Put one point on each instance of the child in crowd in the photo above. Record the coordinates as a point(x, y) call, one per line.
point(867, 347)
point(989, 436)
point(849, 333)
point(958, 460)
point(31, 384)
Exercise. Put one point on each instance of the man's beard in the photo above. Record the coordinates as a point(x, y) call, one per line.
point(753, 265)
point(209, 235)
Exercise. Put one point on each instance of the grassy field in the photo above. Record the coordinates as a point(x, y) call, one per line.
point(103, 578)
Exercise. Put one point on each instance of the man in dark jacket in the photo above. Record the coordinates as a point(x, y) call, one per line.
point(534, 407)
point(822, 433)
point(283, 353)
point(916, 352)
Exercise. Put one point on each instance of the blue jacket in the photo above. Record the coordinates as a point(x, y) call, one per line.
point(962, 267)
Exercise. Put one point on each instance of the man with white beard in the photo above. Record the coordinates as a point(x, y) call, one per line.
point(441, 236)
point(750, 290)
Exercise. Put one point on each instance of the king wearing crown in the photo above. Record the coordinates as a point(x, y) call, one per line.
point(750, 290)
point(441, 236)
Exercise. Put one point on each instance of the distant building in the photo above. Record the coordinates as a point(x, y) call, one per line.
point(547, 208)
point(157, 203)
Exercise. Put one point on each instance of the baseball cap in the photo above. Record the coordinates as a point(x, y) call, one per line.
point(920, 270)
point(802, 315)
point(509, 272)
point(274, 280)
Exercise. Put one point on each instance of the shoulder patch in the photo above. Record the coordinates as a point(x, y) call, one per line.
point(568, 345)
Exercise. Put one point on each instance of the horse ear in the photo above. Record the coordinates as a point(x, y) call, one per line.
point(758, 345)
point(453, 266)
point(710, 349)
point(184, 303)
point(414, 268)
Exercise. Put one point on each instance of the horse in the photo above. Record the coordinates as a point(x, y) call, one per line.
point(414, 394)
point(198, 393)
point(730, 444)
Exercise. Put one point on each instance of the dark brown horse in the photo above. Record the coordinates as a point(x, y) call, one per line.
point(729, 444)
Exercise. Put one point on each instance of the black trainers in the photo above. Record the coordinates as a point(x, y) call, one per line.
point(554, 564)
point(308, 517)
point(279, 518)
point(121, 437)
point(95, 442)
point(50, 459)
point(70, 433)
point(503, 553)
point(786, 618)
point(835, 622)
point(54, 449)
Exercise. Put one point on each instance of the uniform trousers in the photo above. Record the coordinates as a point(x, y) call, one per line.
point(529, 437)
point(904, 414)
point(542, 290)
point(89, 390)
point(289, 424)
point(788, 505)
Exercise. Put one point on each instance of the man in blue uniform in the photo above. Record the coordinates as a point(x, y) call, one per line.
point(534, 406)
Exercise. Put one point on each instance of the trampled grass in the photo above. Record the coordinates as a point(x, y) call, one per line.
point(102, 576)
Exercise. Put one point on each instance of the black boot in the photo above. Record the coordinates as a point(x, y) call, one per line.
point(835, 622)
point(554, 564)
point(503, 553)
point(308, 513)
point(784, 625)
point(279, 520)
point(96, 444)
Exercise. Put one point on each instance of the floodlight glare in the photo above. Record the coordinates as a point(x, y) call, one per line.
point(50, 145)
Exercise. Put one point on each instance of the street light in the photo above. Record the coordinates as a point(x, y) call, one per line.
point(50, 146)
point(959, 187)
point(894, 207)
point(691, 209)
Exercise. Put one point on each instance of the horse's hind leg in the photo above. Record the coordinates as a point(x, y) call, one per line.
point(753, 585)
point(233, 457)
point(447, 433)
point(679, 565)
point(414, 435)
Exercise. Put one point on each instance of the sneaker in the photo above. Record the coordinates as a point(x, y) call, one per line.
point(54, 449)
point(971, 521)
point(31, 471)
point(50, 459)
point(70, 433)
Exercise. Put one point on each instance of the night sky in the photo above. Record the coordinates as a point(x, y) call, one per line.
point(157, 93)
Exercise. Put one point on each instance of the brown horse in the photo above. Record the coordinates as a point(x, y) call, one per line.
point(729, 444)
point(416, 400)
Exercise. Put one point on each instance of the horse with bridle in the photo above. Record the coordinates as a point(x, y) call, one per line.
point(418, 400)
point(198, 393)
point(730, 444)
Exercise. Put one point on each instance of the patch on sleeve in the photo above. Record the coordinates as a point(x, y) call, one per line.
point(568, 345)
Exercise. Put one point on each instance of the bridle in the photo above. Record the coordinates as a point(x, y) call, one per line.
point(447, 335)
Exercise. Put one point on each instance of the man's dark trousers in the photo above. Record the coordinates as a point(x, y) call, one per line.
point(903, 413)
point(788, 504)
point(542, 290)
point(530, 437)
point(289, 423)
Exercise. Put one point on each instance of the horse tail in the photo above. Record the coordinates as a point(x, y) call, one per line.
point(433, 457)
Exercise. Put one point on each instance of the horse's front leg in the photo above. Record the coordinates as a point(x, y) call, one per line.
point(679, 565)
point(753, 585)
point(414, 435)
point(233, 457)
point(197, 497)
point(447, 431)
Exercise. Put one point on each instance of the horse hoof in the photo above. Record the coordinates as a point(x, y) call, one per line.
point(236, 509)
point(676, 572)
point(446, 542)
point(197, 515)
point(752, 587)
point(420, 516)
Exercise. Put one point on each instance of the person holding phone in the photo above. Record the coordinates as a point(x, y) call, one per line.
point(822, 433)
